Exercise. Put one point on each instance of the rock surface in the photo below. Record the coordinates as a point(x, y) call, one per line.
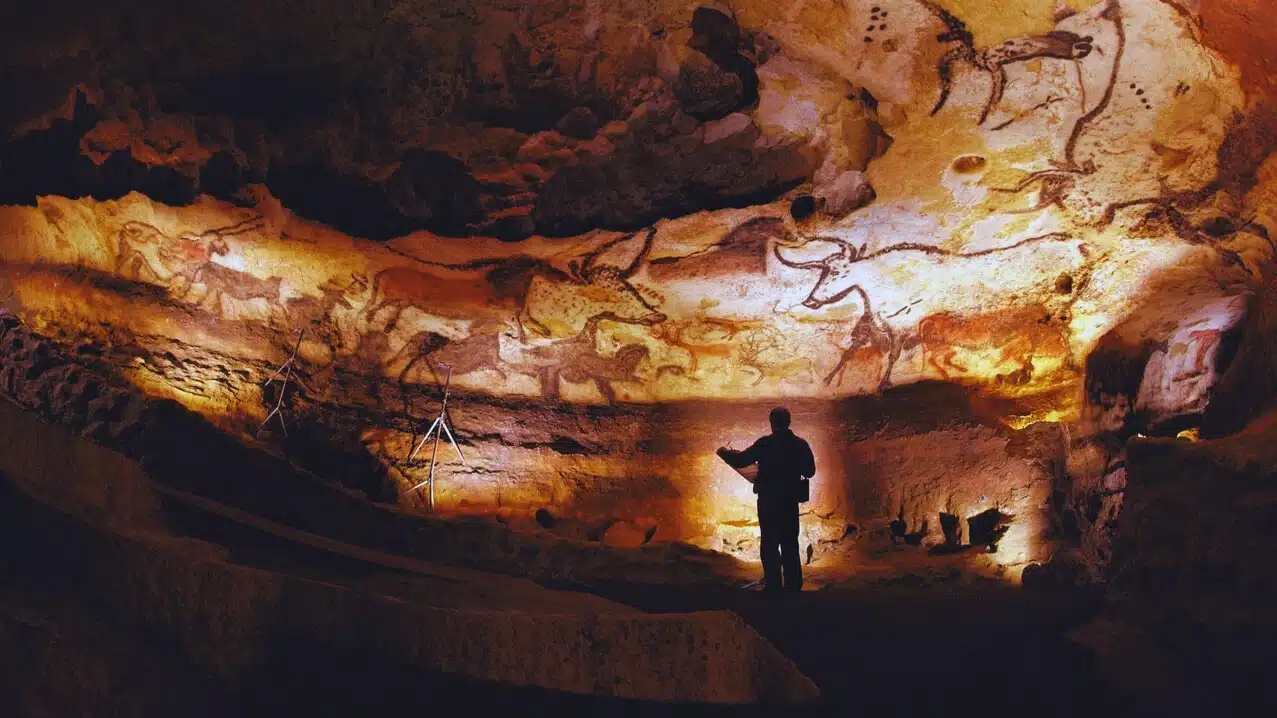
point(608, 218)
point(225, 617)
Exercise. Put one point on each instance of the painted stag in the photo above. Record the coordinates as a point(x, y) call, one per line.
point(701, 338)
point(1058, 44)
point(761, 351)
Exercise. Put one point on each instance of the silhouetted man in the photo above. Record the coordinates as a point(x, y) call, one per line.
point(783, 461)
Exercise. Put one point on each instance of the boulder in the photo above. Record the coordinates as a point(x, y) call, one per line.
point(706, 91)
point(846, 194)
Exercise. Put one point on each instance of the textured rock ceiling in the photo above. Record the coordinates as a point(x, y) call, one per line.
point(647, 201)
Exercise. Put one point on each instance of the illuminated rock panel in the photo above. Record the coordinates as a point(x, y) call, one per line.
point(714, 210)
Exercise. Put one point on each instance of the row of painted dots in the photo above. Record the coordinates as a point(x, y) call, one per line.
point(878, 14)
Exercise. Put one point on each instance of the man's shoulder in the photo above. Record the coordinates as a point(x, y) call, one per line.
point(785, 441)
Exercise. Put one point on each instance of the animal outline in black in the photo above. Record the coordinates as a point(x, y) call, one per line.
point(615, 281)
point(834, 267)
point(523, 286)
point(221, 281)
point(148, 254)
point(752, 354)
point(316, 312)
point(1058, 181)
point(477, 352)
point(870, 334)
point(1059, 44)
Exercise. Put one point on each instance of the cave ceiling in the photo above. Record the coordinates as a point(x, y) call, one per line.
point(646, 201)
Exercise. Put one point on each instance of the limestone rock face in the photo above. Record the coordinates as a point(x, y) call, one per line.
point(606, 222)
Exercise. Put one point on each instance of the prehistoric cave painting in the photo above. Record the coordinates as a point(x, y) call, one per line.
point(402, 288)
point(147, 254)
point(1165, 214)
point(701, 337)
point(480, 351)
point(763, 352)
point(577, 360)
point(1018, 335)
point(872, 336)
point(315, 313)
point(220, 282)
point(1059, 44)
point(878, 19)
point(590, 290)
point(835, 282)
point(742, 251)
point(1058, 183)
point(1203, 342)
point(871, 341)
point(526, 290)
point(1053, 191)
point(1113, 13)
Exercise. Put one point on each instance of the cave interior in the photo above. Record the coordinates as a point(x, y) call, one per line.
point(1008, 263)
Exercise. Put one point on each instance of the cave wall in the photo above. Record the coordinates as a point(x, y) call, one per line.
point(630, 229)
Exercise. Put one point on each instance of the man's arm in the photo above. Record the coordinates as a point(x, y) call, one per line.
point(808, 466)
point(740, 459)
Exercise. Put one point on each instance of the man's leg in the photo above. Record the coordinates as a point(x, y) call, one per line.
point(787, 526)
point(769, 546)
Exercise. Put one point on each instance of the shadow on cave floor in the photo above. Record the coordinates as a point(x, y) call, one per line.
point(57, 658)
point(916, 649)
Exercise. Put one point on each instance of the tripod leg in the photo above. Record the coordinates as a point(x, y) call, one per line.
point(424, 439)
point(430, 479)
point(434, 456)
point(454, 444)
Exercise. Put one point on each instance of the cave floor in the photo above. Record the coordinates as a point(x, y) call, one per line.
point(900, 650)
point(912, 646)
point(900, 642)
point(903, 633)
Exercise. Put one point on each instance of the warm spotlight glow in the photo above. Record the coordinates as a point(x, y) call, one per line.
point(1049, 416)
point(929, 250)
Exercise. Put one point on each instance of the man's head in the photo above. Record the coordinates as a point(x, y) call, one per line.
point(779, 417)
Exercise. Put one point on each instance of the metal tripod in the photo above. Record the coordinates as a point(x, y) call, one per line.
point(286, 372)
point(440, 426)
